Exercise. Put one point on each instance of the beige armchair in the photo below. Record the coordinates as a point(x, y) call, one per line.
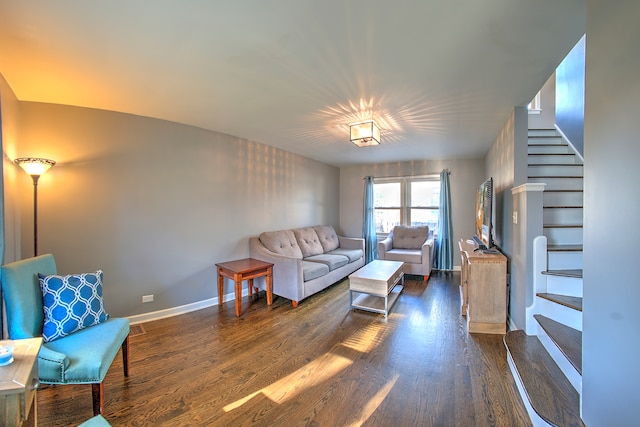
point(411, 244)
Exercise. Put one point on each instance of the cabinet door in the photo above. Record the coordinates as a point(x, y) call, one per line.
point(486, 292)
point(464, 277)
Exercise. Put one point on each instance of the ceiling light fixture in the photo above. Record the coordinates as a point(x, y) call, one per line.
point(365, 134)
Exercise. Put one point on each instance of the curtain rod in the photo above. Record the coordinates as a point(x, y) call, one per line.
point(432, 175)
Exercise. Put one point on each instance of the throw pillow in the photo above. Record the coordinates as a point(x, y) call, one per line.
point(71, 303)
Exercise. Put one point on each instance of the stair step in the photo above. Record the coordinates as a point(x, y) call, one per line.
point(577, 273)
point(556, 198)
point(565, 300)
point(564, 248)
point(568, 340)
point(549, 132)
point(550, 393)
point(566, 183)
point(549, 149)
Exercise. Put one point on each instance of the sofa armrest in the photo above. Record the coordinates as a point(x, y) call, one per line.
point(351, 242)
point(287, 271)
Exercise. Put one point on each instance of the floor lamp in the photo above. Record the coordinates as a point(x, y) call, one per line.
point(36, 167)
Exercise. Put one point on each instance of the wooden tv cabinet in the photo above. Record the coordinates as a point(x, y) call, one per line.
point(483, 289)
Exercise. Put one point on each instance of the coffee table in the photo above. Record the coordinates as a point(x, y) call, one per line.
point(376, 286)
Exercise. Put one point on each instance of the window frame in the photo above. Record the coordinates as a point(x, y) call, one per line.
point(405, 198)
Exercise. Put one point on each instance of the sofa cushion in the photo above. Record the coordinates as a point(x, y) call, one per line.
point(405, 237)
point(281, 242)
point(71, 303)
point(331, 261)
point(413, 256)
point(313, 270)
point(328, 237)
point(308, 241)
point(352, 254)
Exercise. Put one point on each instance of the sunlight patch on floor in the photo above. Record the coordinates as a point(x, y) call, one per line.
point(322, 368)
point(310, 375)
point(374, 402)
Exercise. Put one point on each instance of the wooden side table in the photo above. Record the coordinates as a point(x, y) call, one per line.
point(18, 385)
point(244, 269)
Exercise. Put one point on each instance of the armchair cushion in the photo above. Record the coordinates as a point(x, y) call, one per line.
point(84, 356)
point(409, 237)
point(71, 303)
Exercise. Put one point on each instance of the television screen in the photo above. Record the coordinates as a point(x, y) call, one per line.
point(484, 226)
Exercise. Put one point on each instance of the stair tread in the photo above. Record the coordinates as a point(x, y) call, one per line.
point(553, 164)
point(568, 301)
point(550, 393)
point(556, 176)
point(568, 339)
point(577, 272)
point(564, 248)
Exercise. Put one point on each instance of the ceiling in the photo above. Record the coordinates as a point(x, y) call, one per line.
point(439, 77)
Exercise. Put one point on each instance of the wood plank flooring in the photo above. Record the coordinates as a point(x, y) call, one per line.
point(320, 364)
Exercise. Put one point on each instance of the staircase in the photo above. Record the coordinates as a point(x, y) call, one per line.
point(546, 357)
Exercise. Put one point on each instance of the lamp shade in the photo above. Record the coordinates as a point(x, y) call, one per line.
point(365, 133)
point(35, 166)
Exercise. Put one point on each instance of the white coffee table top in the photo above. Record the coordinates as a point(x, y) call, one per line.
point(377, 270)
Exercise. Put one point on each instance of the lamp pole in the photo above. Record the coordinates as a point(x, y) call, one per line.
point(35, 214)
point(35, 167)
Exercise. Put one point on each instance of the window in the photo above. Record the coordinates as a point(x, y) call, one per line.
point(534, 106)
point(406, 201)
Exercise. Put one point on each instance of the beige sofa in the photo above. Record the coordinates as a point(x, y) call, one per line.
point(306, 260)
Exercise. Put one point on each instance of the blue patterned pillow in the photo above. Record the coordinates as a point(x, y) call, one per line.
point(71, 303)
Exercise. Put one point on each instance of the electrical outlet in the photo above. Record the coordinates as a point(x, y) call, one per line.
point(147, 298)
point(515, 217)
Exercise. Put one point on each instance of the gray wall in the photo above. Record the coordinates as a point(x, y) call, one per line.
point(546, 119)
point(506, 162)
point(611, 348)
point(156, 204)
point(466, 176)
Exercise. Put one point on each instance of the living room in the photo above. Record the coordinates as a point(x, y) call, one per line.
point(157, 203)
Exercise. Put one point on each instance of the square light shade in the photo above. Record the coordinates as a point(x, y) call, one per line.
point(365, 133)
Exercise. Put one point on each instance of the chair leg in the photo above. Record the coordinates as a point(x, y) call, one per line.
point(97, 393)
point(125, 356)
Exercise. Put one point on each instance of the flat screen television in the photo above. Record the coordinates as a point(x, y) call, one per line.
point(484, 206)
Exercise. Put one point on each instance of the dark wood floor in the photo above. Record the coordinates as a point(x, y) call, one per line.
point(320, 364)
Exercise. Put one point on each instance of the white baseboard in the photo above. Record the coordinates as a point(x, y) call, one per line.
point(187, 308)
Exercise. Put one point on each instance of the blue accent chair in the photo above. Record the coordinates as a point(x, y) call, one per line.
point(83, 357)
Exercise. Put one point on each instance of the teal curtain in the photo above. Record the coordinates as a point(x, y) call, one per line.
point(444, 243)
point(369, 222)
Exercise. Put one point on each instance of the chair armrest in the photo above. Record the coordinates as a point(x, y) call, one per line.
point(52, 365)
point(428, 252)
point(384, 246)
